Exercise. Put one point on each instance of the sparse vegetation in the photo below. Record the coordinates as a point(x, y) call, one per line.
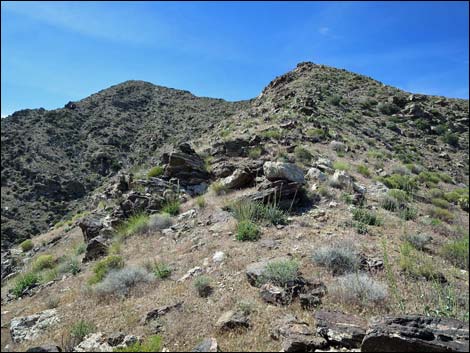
point(172, 207)
point(441, 213)
point(360, 289)
point(161, 270)
point(26, 245)
point(367, 217)
point(247, 231)
point(104, 266)
point(121, 281)
point(418, 241)
point(255, 153)
point(201, 202)
point(203, 286)
point(159, 222)
point(338, 258)
point(25, 281)
point(416, 264)
point(339, 165)
point(81, 329)
point(151, 344)
point(136, 224)
point(219, 188)
point(457, 252)
point(80, 249)
point(363, 170)
point(155, 172)
point(281, 273)
point(302, 154)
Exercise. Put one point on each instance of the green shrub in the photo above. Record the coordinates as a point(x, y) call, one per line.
point(161, 270)
point(408, 213)
point(255, 153)
point(203, 286)
point(363, 170)
point(80, 249)
point(416, 264)
point(316, 133)
point(43, 262)
point(338, 165)
point(418, 241)
point(155, 172)
point(201, 201)
point(402, 182)
point(441, 213)
point(436, 193)
point(367, 217)
point(431, 179)
point(219, 188)
point(451, 139)
point(136, 224)
point(302, 154)
point(25, 281)
point(459, 197)
point(338, 258)
point(446, 178)
point(81, 329)
point(151, 344)
point(440, 203)
point(69, 265)
point(388, 108)
point(280, 273)
point(361, 228)
point(172, 207)
point(334, 99)
point(257, 212)
point(272, 133)
point(401, 196)
point(26, 245)
point(105, 265)
point(247, 231)
point(456, 251)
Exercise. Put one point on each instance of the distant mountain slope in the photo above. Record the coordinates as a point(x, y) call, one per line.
point(52, 159)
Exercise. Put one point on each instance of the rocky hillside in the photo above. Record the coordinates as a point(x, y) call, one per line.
point(330, 213)
point(52, 159)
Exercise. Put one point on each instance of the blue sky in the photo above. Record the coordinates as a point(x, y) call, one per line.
point(53, 52)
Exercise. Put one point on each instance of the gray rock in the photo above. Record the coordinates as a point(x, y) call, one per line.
point(95, 248)
point(100, 342)
point(275, 295)
point(341, 179)
point(232, 320)
point(45, 348)
point(208, 345)
point(159, 312)
point(414, 333)
point(340, 329)
point(283, 171)
point(91, 227)
point(239, 179)
point(31, 327)
point(315, 174)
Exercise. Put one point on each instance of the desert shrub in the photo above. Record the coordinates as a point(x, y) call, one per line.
point(338, 258)
point(43, 262)
point(25, 281)
point(402, 182)
point(441, 213)
point(414, 168)
point(136, 224)
point(201, 201)
point(104, 266)
point(363, 170)
point(80, 249)
point(122, 280)
point(159, 221)
point(418, 241)
point(26, 245)
point(401, 170)
point(451, 139)
point(359, 288)
point(318, 134)
point(430, 179)
point(446, 178)
point(247, 231)
point(416, 264)
point(69, 265)
point(338, 165)
point(325, 192)
point(388, 108)
point(151, 344)
point(436, 193)
point(202, 284)
point(334, 99)
point(172, 207)
point(219, 188)
point(440, 203)
point(255, 153)
point(161, 270)
point(272, 133)
point(389, 203)
point(302, 154)
point(155, 172)
point(338, 146)
point(257, 212)
point(459, 197)
point(408, 213)
point(347, 198)
point(367, 217)
point(456, 251)
point(280, 272)
point(361, 228)
point(52, 302)
point(81, 329)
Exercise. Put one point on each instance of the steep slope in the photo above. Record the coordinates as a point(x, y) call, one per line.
point(52, 159)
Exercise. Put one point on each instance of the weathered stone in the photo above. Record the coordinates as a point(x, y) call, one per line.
point(187, 167)
point(315, 174)
point(239, 179)
point(414, 333)
point(95, 248)
point(100, 342)
point(283, 171)
point(208, 345)
point(232, 320)
point(91, 227)
point(159, 312)
point(284, 193)
point(31, 327)
point(342, 179)
point(191, 273)
point(45, 348)
point(275, 295)
point(340, 329)
point(218, 257)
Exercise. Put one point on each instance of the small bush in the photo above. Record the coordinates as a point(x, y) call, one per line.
point(27, 245)
point(401, 196)
point(104, 266)
point(456, 251)
point(338, 165)
point(219, 188)
point(203, 286)
point(159, 221)
point(415, 264)
point(69, 265)
point(247, 231)
point(360, 289)
point(52, 302)
point(258, 212)
point(272, 133)
point(388, 108)
point(441, 213)
point(161, 270)
point(25, 281)
point(363, 170)
point(402, 182)
point(302, 154)
point(121, 281)
point(389, 203)
point(172, 207)
point(367, 217)
point(408, 213)
point(151, 344)
point(201, 201)
point(136, 224)
point(451, 139)
point(440, 203)
point(255, 153)
point(281, 273)
point(334, 99)
point(155, 172)
point(418, 241)
point(430, 179)
point(80, 249)
point(43, 262)
point(81, 329)
point(338, 258)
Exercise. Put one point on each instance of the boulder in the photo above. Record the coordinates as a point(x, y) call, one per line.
point(297, 336)
point(31, 327)
point(95, 248)
point(45, 348)
point(340, 329)
point(207, 345)
point(191, 273)
point(239, 179)
point(311, 294)
point(186, 166)
point(100, 342)
point(159, 312)
point(218, 257)
point(283, 171)
point(315, 174)
point(341, 179)
point(284, 193)
point(275, 295)
point(91, 227)
point(232, 320)
point(414, 333)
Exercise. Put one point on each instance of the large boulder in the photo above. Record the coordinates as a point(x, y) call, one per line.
point(283, 171)
point(186, 166)
point(100, 342)
point(340, 329)
point(275, 295)
point(414, 333)
point(91, 227)
point(284, 193)
point(231, 320)
point(95, 248)
point(239, 179)
point(30, 327)
point(45, 348)
point(159, 312)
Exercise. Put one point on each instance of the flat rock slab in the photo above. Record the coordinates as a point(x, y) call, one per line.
point(156, 313)
point(31, 327)
point(413, 333)
point(208, 345)
point(232, 320)
point(340, 329)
